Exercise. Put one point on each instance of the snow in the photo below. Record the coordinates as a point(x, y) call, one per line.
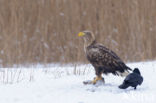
point(63, 84)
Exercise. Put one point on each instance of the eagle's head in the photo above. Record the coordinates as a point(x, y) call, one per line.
point(88, 37)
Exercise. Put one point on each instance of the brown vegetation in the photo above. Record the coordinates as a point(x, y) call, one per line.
point(45, 31)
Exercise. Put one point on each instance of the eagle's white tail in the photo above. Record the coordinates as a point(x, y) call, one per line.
point(124, 74)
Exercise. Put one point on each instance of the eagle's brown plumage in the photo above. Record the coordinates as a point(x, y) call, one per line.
point(103, 59)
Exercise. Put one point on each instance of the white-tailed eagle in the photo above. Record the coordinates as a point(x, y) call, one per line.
point(102, 59)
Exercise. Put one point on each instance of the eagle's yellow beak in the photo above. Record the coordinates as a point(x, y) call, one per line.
point(81, 34)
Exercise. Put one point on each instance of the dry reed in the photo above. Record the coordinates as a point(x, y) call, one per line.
point(45, 31)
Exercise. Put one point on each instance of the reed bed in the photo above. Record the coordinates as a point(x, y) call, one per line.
point(45, 31)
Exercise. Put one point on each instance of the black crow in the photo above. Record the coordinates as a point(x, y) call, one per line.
point(133, 79)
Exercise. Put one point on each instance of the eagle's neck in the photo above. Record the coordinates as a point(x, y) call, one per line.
point(86, 45)
point(94, 42)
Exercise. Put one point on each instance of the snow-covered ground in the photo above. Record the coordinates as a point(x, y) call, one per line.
point(63, 84)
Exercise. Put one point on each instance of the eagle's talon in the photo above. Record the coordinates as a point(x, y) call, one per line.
point(98, 79)
point(94, 81)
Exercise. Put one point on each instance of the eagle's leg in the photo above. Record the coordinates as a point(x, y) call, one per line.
point(98, 77)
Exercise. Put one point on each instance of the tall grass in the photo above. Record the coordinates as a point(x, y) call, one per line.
point(45, 31)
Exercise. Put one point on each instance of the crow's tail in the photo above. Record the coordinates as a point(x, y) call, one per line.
point(123, 86)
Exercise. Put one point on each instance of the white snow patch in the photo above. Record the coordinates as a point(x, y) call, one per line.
point(63, 84)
